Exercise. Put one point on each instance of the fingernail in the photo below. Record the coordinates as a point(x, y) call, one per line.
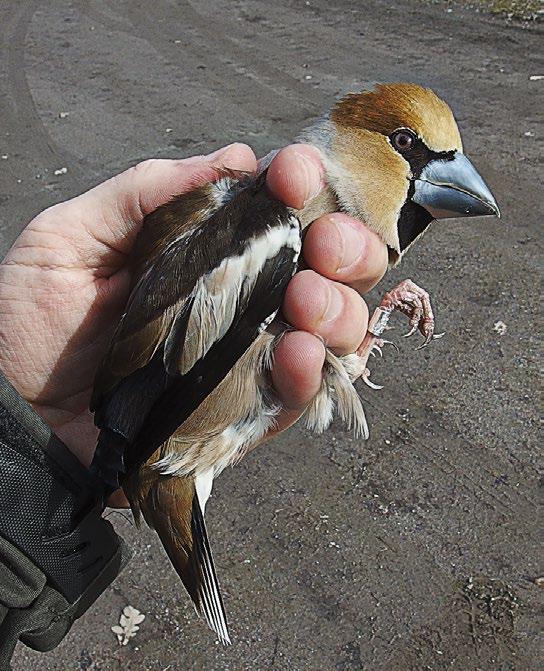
point(353, 244)
point(335, 303)
point(313, 177)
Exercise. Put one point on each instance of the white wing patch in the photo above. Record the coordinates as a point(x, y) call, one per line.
point(218, 293)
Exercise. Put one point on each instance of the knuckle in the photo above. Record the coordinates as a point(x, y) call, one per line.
point(143, 168)
point(51, 216)
point(241, 147)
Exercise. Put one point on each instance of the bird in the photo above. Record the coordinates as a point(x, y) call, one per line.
point(184, 388)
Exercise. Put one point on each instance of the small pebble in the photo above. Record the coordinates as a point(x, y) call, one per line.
point(500, 327)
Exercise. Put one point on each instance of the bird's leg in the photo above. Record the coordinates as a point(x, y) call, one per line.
point(411, 300)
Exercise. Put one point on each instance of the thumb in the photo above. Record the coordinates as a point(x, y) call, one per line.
point(116, 208)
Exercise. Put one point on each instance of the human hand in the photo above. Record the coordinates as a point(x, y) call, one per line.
point(64, 284)
point(345, 260)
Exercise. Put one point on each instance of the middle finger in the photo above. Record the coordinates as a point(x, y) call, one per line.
point(341, 248)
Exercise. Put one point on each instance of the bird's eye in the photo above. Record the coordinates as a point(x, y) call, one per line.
point(403, 140)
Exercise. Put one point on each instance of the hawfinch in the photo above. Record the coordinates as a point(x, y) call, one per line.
point(184, 390)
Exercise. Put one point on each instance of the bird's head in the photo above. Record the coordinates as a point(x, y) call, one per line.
point(394, 158)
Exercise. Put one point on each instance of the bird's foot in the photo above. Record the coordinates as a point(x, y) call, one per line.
point(412, 301)
point(415, 303)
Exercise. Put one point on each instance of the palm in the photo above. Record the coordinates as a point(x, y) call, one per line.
point(64, 283)
point(58, 303)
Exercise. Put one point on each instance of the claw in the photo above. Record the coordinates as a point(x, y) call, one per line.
point(411, 331)
point(366, 380)
point(388, 342)
point(376, 348)
point(428, 339)
point(371, 384)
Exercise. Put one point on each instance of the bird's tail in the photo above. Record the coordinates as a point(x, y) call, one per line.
point(171, 506)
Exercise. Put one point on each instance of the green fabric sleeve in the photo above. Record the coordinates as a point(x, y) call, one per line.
point(57, 553)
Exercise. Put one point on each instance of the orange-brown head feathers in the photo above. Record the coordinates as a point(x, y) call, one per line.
point(394, 158)
point(392, 106)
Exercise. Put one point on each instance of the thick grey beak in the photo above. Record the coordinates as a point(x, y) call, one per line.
point(453, 189)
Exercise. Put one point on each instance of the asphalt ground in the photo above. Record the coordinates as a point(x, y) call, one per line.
point(419, 548)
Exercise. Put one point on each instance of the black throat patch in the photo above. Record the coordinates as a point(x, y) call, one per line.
point(414, 219)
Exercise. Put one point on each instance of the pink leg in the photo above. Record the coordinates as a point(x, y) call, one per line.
point(412, 301)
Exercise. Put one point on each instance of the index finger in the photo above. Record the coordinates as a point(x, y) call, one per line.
point(119, 205)
point(296, 175)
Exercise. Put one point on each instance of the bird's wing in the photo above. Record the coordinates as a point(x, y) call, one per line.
point(203, 293)
point(173, 509)
point(179, 243)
